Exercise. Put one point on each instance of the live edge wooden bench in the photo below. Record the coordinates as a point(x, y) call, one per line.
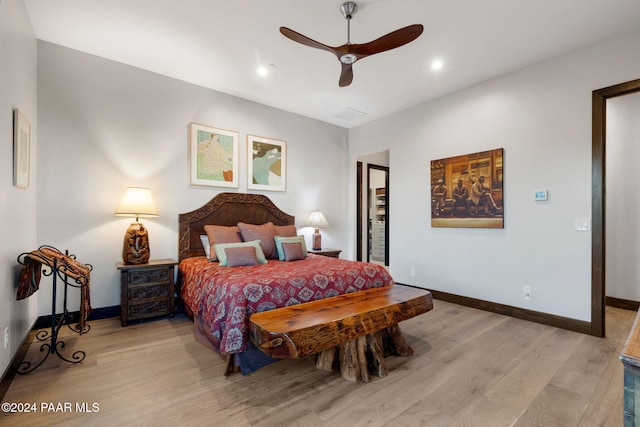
point(355, 330)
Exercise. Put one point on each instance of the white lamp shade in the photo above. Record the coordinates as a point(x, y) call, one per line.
point(317, 220)
point(138, 202)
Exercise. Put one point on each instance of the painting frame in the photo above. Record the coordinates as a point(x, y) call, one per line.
point(21, 149)
point(263, 172)
point(467, 191)
point(213, 156)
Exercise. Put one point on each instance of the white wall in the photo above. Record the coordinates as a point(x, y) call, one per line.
point(623, 198)
point(18, 56)
point(105, 126)
point(541, 116)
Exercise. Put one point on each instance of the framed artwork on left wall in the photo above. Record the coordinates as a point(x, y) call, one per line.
point(21, 149)
point(213, 157)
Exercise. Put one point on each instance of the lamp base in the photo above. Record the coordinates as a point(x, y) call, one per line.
point(135, 249)
point(317, 240)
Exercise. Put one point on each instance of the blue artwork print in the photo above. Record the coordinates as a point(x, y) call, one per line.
point(267, 164)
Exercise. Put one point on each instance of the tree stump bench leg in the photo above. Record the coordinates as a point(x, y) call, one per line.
point(377, 365)
point(399, 345)
point(363, 356)
point(326, 359)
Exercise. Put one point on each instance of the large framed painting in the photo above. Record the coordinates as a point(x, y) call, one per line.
point(213, 156)
point(266, 163)
point(468, 190)
point(21, 149)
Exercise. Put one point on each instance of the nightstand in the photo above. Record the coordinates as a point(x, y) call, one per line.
point(146, 290)
point(333, 253)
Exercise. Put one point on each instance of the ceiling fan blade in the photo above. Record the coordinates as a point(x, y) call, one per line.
point(346, 76)
point(389, 41)
point(297, 37)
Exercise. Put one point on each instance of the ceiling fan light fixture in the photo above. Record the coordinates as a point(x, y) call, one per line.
point(349, 53)
point(348, 58)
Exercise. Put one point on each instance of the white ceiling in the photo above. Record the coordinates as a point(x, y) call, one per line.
point(219, 44)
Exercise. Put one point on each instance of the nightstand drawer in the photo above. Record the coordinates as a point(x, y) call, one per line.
point(148, 308)
point(145, 292)
point(138, 277)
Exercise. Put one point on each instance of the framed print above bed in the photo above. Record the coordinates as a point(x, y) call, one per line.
point(266, 163)
point(213, 157)
point(21, 149)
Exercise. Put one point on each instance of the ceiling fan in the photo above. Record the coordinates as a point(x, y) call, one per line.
point(349, 53)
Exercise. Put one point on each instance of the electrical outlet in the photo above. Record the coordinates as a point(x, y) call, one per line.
point(412, 272)
point(526, 292)
point(6, 337)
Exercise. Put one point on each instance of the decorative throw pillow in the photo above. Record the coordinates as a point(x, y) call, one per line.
point(279, 241)
point(264, 232)
point(220, 250)
point(292, 251)
point(243, 256)
point(206, 245)
point(221, 234)
point(286, 230)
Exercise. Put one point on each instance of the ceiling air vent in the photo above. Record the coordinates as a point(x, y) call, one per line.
point(349, 114)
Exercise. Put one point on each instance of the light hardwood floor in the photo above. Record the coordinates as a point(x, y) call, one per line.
point(470, 368)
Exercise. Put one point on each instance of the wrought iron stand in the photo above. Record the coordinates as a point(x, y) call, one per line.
point(57, 320)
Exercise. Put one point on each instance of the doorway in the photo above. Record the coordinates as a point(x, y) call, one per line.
point(598, 201)
point(378, 214)
point(364, 215)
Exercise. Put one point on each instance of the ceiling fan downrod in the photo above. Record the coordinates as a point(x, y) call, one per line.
point(348, 9)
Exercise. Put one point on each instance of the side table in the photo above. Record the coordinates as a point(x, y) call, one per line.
point(333, 253)
point(146, 290)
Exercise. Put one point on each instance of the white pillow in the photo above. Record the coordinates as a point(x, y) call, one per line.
point(205, 244)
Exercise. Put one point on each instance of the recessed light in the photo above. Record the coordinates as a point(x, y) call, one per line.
point(437, 64)
point(263, 70)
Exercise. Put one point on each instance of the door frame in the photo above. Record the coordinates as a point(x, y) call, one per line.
point(598, 200)
point(359, 211)
point(385, 169)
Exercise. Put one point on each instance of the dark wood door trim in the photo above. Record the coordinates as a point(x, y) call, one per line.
point(598, 205)
point(358, 211)
point(385, 169)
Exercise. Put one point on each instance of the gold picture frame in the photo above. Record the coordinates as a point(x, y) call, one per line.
point(266, 163)
point(213, 158)
point(467, 191)
point(21, 149)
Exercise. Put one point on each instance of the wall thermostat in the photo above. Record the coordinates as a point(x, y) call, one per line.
point(541, 195)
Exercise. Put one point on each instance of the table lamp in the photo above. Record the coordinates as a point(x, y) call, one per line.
point(317, 220)
point(137, 202)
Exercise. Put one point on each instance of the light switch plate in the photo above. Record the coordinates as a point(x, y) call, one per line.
point(583, 224)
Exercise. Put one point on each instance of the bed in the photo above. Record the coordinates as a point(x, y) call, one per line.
point(220, 299)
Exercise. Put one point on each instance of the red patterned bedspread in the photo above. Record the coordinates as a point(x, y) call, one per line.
point(225, 297)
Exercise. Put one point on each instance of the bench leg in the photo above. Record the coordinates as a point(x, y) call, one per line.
point(375, 346)
point(326, 359)
point(400, 346)
point(363, 366)
point(363, 356)
point(349, 361)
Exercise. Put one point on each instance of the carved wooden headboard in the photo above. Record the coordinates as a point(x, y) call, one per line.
point(225, 209)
